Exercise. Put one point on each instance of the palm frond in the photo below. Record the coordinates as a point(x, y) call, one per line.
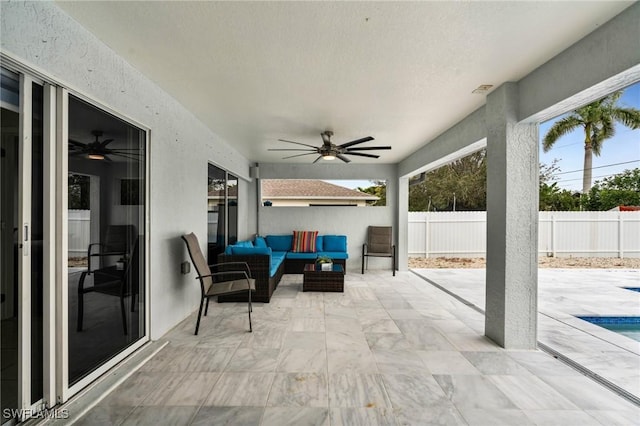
point(630, 117)
point(566, 125)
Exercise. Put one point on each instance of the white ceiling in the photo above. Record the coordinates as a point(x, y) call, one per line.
point(398, 71)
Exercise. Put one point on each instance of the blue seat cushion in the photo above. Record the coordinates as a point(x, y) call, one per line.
point(335, 254)
point(334, 243)
point(276, 260)
point(294, 255)
point(280, 242)
point(250, 250)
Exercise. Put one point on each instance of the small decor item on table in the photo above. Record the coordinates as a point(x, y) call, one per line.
point(120, 264)
point(324, 263)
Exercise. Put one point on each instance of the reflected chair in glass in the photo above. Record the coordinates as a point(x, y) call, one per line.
point(115, 281)
point(379, 244)
point(229, 278)
point(118, 240)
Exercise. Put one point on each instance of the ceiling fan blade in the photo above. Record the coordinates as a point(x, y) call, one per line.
point(297, 143)
point(120, 151)
point(76, 143)
point(361, 155)
point(105, 142)
point(357, 141)
point(317, 159)
point(123, 156)
point(368, 148)
point(74, 154)
point(343, 158)
point(298, 155)
point(291, 149)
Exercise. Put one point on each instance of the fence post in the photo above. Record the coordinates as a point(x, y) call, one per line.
point(620, 237)
point(553, 235)
point(426, 235)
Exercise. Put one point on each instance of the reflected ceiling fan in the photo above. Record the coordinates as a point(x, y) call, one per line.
point(331, 151)
point(97, 150)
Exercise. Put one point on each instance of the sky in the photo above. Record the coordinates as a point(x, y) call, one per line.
point(618, 153)
point(624, 147)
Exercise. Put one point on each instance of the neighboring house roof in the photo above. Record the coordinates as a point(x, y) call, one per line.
point(309, 188)
point(626, 208)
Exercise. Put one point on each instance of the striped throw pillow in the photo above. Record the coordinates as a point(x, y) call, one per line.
point(304, 241)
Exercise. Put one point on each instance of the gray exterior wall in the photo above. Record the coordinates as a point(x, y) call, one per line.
point(41, 36)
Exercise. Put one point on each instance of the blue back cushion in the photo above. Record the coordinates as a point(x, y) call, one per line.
point(244, 244)
point(319, 241)
point(334, 243)
point(260, 242)
point(280, 242)
point(250, 250)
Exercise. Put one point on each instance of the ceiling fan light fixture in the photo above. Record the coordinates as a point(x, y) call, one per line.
point(329, 156)
point(96, 156)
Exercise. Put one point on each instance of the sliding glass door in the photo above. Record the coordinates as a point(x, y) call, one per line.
point(22, 243)
point(222, 211)
point(106, 235)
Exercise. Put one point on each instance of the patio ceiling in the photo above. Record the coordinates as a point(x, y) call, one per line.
point(400, 72)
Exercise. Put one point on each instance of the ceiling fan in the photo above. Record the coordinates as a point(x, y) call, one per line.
point(97, 150)
point(331, 151)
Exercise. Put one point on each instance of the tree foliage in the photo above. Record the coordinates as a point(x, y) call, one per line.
point(597, 121)
point(622, 189)
point(464, 179)
point(379, 189)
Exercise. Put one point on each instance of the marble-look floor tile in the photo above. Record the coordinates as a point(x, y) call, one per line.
point(357, 390)
point(378, 325)
point(390, 341)
point(362, 417)
point(443, 414)
point(254, 359)
point(343, 325)
point(561, 418)
point(530, 393)
point(495, 363)
point(472, 391)
point(587, 394)
point(298, 390)
point(272, 338)
point(495, 417)
point(166, 360)
point(304, 340)
point(192, 390)
point(161, 394)
point(202, 359)
point(447, 362)
point(152, 416)
point(471, 342)
point(135, 389)
point(241, 389)
point(399, 362)
point(339, 312)
point(307, 324)
point(101, 415)
point(341, 340)
point(540, 363)
point(355, 361)
point(236, 416)
point(413, 391)
point(616, 417)
point(285, 416)
point(302, 361)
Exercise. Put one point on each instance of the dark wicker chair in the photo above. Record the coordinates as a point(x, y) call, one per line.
point(260, 265)
point(379, 244)
point(229, 278)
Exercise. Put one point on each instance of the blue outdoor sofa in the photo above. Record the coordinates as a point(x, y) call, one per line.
point(272, 256)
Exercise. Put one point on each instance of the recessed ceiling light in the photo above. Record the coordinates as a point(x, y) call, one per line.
point(482, 89)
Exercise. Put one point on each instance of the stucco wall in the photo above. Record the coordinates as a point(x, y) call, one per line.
point(42, 37)
point(349, 221)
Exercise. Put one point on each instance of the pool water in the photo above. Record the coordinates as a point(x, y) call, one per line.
point(627, 326)
point(632, 288)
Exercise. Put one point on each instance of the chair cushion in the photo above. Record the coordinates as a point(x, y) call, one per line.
point(250, 250)
point(304, 241)
point(260, 242)
point(334, 254)
point(334, 243)
point(280, 242)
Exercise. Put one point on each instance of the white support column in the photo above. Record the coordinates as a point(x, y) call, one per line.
point(512, 223)
point(402, 245)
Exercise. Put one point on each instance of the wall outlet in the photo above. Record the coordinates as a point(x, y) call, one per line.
point(185, 268)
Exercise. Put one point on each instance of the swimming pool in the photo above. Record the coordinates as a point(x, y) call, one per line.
point(632, 289)
point(627, 326)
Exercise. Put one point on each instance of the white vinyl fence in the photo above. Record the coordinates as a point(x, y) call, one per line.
point(561, 234)
point(79, 232)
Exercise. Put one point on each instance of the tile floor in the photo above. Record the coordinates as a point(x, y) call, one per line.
point(387, 351)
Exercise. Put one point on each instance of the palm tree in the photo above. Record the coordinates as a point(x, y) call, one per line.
point(598, 122)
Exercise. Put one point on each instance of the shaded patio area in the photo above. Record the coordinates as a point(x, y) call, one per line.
point(386, 351)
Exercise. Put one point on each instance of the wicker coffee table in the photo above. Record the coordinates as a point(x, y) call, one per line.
point(317, 280)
